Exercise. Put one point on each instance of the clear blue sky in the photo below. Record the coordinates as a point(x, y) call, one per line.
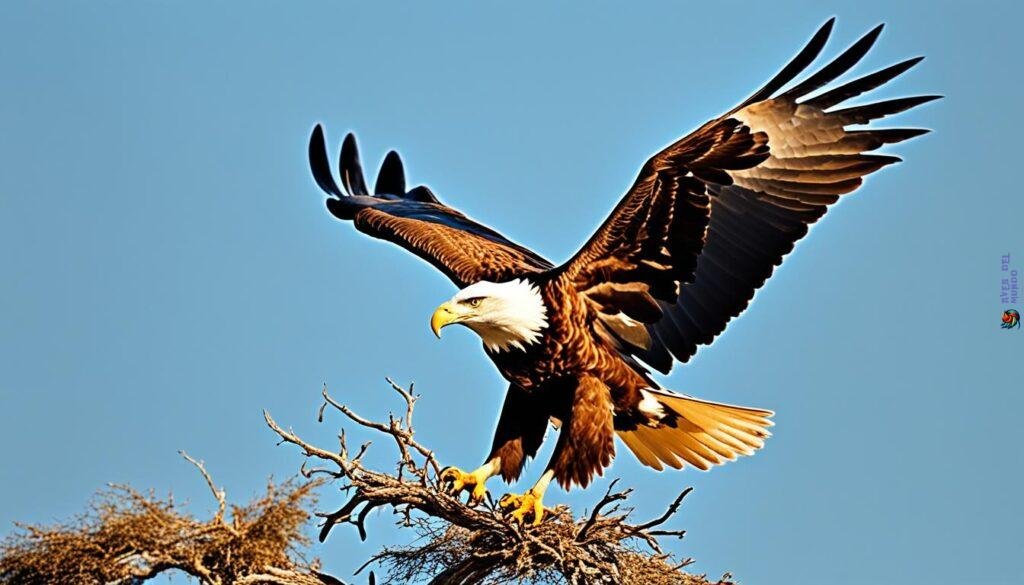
point(169, 270)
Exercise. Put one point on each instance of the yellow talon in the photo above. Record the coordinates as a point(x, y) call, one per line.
point(519, 508)
point(454, 481)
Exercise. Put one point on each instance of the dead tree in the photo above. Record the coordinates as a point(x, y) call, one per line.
point(463, 545)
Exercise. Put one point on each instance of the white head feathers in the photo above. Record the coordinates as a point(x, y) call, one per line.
point(507, 314)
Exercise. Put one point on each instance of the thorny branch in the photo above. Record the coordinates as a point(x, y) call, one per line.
point(458, 544)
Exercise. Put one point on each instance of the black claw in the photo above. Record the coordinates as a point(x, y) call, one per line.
point(447, 484)
point(506, 503)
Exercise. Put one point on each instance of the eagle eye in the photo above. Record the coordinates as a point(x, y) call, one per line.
point(473, 302)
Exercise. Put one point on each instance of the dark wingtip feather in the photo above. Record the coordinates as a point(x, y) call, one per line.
point(804, 58)
point(868, 112)
point(884, 159)
point(841, 64)
point(391, 177)
point(350, 167)
point(907, 133)
point(422, 193)
point(319, 164)
point(882, 136)
point(860, 85)
point(342, 208)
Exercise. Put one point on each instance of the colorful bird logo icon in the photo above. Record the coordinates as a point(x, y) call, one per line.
point(1011, 319)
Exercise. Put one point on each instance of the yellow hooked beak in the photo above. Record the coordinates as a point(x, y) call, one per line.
point(444, 315)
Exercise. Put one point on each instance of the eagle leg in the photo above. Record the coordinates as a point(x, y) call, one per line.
point(454, 480)
point(530, 505)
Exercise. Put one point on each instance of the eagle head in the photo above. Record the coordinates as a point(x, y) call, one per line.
point(505, 315)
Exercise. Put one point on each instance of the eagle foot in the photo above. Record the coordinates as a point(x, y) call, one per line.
point(454, 481)
point(519, 508)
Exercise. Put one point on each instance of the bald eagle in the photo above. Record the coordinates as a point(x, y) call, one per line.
point(703, 226)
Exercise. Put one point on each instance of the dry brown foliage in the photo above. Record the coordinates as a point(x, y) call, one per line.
point(127, 537)
point(461, 545)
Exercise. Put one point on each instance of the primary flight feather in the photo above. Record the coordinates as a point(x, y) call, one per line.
point(703, 226)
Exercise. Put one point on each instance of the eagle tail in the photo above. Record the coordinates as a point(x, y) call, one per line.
point(694, 431)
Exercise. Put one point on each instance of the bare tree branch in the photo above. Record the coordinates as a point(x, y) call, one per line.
point(218, 493)
point(458, 544)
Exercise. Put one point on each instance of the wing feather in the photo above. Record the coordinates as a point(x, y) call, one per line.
point(761, 201)
point(710, 217)
point(391, 176)
point(861, 85)
point(461, 248)
point(351, 167)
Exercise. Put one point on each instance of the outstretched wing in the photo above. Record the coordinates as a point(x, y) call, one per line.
point(715, 213)
point(650, 244)
point(461, 248)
